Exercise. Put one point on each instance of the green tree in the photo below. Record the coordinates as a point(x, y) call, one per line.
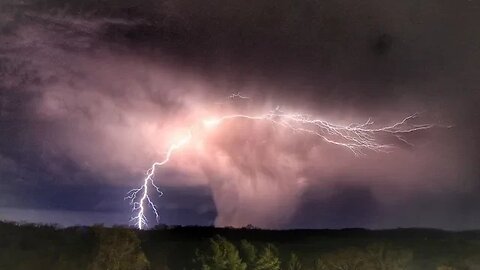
point(319, 265)
point(382, 257)
point(221, 255)
point(294, 263)
point(118, 249)
point(268, 259)
point(249, 253)
point(446, 267)
point(344, 259)
point(472, 262)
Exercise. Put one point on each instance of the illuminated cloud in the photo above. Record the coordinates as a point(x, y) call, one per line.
point(92, 92)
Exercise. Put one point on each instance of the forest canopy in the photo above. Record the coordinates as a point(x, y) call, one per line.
point(33, 246)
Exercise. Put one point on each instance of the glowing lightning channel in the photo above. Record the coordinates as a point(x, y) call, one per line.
point(355, 137)
point(140, 219)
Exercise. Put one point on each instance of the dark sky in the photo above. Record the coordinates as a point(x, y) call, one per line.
point(92, 93)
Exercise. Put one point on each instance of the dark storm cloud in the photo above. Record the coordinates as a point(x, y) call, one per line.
point(351, 205)
point(362, 53)
point(337, 207)
point(89, 90)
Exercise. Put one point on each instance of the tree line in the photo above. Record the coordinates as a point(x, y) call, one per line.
point(32, 246)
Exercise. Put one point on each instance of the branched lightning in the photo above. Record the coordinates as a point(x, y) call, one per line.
point(139, 206)
point(355, 137)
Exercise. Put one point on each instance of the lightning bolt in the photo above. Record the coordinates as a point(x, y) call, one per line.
point(354, 137)
point(139, 206)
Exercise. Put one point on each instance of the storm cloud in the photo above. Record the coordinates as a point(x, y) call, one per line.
point(93, 93)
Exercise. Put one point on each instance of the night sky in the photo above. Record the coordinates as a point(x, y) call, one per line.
point(93, 92)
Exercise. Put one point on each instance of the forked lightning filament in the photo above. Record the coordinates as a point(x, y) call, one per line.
point(354, 137)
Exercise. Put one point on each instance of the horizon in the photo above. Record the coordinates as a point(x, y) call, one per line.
point(244, 228)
